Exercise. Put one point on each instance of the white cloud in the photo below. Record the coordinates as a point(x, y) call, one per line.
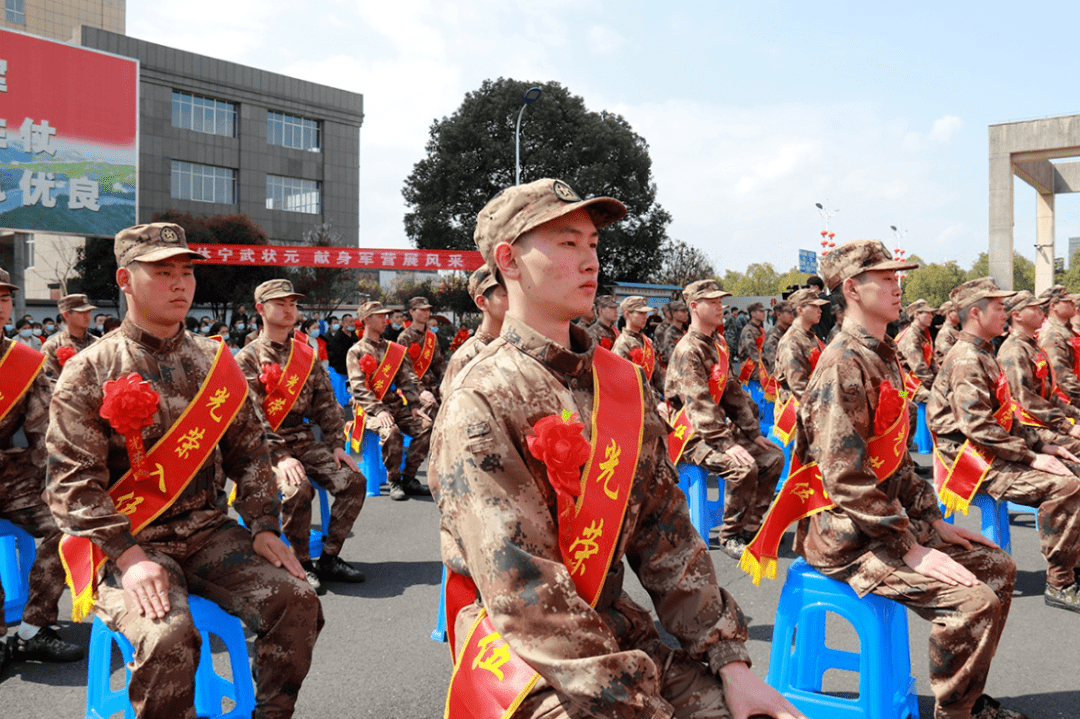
point(945, 128)
point(604, 40)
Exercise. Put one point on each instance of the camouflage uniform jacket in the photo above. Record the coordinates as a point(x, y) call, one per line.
point(793, 368)
point(748, 348)
point(600, 332)
point(687, 385)
point(462, 356)
point(414, 334)
point(499, 526)
point(874, 524)
point(768, 348)
point(833, 332)
point(1056, 340)
point(628, 342)
point(666, 345)
point(1017, 358)
point(86, 456)
point(405, 380)
point(316, 401)
point(62, 338)
point(962, 404)
point(31, 414)
point(910, 347)
point(946, 338)
point(658, 334)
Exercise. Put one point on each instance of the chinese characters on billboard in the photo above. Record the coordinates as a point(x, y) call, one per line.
point(68, 137)
point(291, 256)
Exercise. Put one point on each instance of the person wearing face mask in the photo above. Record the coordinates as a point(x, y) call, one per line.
point(340, 337)
point(24, 333)
point(395, 327)
point(99, 326)
point(75, 309)
point(239, 331)
point(48, 327)
point(315, 341)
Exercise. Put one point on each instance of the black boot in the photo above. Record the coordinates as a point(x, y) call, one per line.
point(331, 568)
point(413, 487)
point(313, 577)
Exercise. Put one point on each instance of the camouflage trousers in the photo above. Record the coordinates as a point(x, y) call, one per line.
point(1049, 436)
point(21, 504)
point(348, 488)
point(221, 565)
point(748, 489)
point(393, 443)
point(967, 621)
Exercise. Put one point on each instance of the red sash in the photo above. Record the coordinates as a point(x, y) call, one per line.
point(378, 382)
point(177, 457)
point(280, 400)
point(648, 355)
point(1074, 343)
point(803, 495)
point(746, 372)
point(928, 349)
point(786, 419)
point(489, 680)
point(681, 427)
point(422, 362)
point(19, 367)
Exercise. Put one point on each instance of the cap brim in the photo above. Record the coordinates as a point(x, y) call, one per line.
point(168, 252)
point(6, 286)
point(819, 303)
point(713, 295)
point(602, 210)
point(894, 265)
point(84, 308)
point(282, 296)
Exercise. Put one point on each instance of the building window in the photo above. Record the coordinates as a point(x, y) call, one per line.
point(15, 11)
point(293, 195)
point(203, 114)
point(203, 183)
point(291, 131)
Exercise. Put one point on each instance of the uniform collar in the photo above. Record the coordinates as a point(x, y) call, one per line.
point(152, 342)
point(979, 342)
point(561, 359)
point(484, 336)
point(884, 348)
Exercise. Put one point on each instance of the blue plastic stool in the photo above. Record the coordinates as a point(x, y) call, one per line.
point(210, 687)
point(995, 519)
point(17, 555)
point(371, 463)
point(318, 536)
point(704, 512)
point(923, 439)
point(339, 384)
point(1015, 508)
point(789, 449)
point(439, 634)
point(800, 655)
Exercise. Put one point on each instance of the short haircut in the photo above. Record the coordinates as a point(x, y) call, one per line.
point(816, 282)
point(966, 312)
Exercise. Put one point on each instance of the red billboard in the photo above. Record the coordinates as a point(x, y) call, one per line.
point(69, 120)
point(363, 258)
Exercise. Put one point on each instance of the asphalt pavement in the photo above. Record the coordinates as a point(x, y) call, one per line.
point(375, 657)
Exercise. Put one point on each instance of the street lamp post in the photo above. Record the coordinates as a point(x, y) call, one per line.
point(531, 96)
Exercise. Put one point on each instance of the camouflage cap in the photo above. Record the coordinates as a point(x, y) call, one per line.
point(804, 297)
point(1022, 300)
point(919, 305)
point(783, 306)
point(1056, 293)
point(755, 306)
point(419, 303)
point(5, 281)
point(946, 307)
point(481, 281)
point(275, 290)
point(677, 306)
point(858, 256)
point(703, 290)
point(370, 308)
point(633, 304)
point(75, 303)
point(521, 208)
point(972, 291)
point(607, 301)
point(152, 243)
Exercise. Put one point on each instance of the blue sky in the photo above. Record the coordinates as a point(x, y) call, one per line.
point(753, 111)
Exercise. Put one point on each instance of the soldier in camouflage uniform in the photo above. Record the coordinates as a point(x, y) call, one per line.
point(76, 312)
point(727, 437)
point(1031, 380)
point(490, 299)
point(1056, 339)
point(664, 324)
point(785, 315)
point(390, 416)
point(795, 356)
point(635, 310)
point(23, 479)
point(914, 347)
point(947, 333)
point(193, 545)
point(415, 335)
point(838, 313)
point(1025, 469)
point(604, 330)
point(500, 520)
point(755, 328)
point(680, 318)
point(888, 537)
point(294, 452)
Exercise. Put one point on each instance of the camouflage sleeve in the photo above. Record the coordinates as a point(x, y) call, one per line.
point(406, 380)
point(325, 410)
point(969, 398)
point(245, 455)
point(1021, 377)
point(835, 420)
point(251, 366)
point(438, 366)
point(624, 344)
point(1060, 352)
point(361, 394)
point(52, 365)
point(747, 345)
point(912, 354)
point(793, 365)
point(499, 504)
point(36, 418)
point(739, 407)
point(688, 381)
point(769, 348)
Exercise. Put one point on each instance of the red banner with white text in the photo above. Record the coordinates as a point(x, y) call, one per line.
point(360, 258)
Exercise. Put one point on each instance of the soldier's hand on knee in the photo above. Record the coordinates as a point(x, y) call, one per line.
point(427, 398)
point(940, 566)
point(146, 583)
point(1074, 431)
point(740, 456)
point(270, 547)
point(385, 419)
point(959, 535)
point(766, 443)
point(292, 470)
point(1060, 452)
point(1051, 464)
point(340, 455)
point(748, 695)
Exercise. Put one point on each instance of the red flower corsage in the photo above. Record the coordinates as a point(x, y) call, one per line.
point(270, 376)
point(130, 404)
point(889, 408)
point(605, 342)
point(63, 354)
point(558, 443)
point(815, 355)
point(637, 356)
point(368, 364)
point(414, 351)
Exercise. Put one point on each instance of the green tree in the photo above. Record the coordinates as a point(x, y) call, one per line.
point(683, 264)
point(1023, 271)
point(760, 278)
point(470, 158)
point(1071, 277)
point(789, 278)
point(933, 282)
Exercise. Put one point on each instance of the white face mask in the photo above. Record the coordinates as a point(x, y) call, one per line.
point(36, 331)
point(100, 327)
point(314, 332)
point(50, 328)
point(24, 333)
point(205, 329)
point(9, 328)
point(335, 327)
point(240, 327)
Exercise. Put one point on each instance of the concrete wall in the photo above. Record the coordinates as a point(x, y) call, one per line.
point(64, 19)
